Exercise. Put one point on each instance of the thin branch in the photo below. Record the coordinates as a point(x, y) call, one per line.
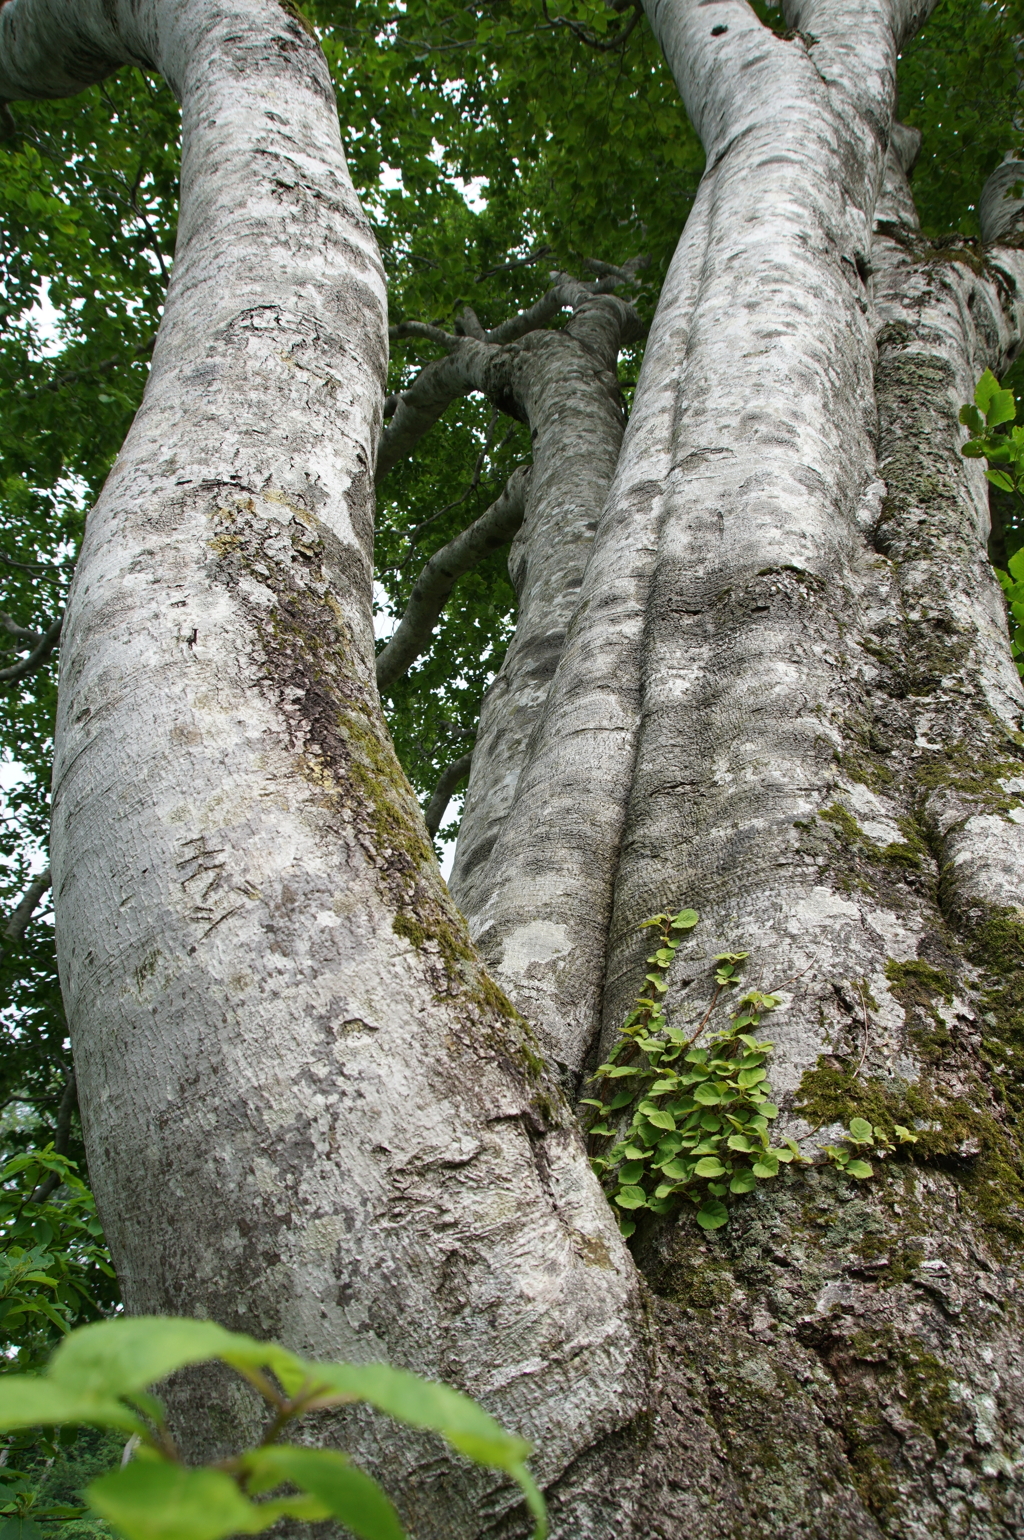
point(467, 492)
point(618, 40)
point(23, 633)
point(15, 927)
point(488, 533)
point(38, 569)
point(508, 267)
point(450, 778)
point(37, 657)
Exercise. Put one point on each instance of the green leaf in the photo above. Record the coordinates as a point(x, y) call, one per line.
point(27, 1401)
point(748, 1077)
point(743, 1181)
point(627, 1227)
point(709, 1166)
point(974, 449)
point(707, 1094)
point(766, 1166)
point(345, 1491)
point(631, 1197)
point(677, 1170)
point(712, 1215)
point(686, 919)
point(972, 419)
point(1002, 408)
point(116, 1358)
point(422, 1404)
point(860, 1131)
point(986, 390)
point(860, 1169)
point(1000, 479)
point(21, 1529)
point(155, 1500)
point(661, 1119)
point(631, 1172)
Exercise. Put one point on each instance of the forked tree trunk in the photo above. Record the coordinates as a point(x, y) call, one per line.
point(785, 697)
point(308, 1112)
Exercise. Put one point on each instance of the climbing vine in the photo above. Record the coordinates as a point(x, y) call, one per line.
point(692, 1121)
point(997, 437)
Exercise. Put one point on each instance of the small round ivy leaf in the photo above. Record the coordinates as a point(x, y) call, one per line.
point(706, 1093)
point(860, 1131)
point(718, 1188)
point(767, 1166)
point(709, 1166)
point(743, 1181)
point(712, 1215)
point(626, 1227)
point(768, 1109)
point(631, 1197)
point(686, 919)
point(859, 1169)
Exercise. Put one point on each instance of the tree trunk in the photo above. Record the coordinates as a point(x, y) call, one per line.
point(784, 695)
point(308, 1113)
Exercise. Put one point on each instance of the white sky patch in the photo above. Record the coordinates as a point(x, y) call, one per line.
point(385, 624)
point(46, 321)
point(473, 192)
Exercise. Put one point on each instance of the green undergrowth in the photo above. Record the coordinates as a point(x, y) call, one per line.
point(676, 1121)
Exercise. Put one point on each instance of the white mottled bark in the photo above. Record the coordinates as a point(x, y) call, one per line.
point(308, 1113)
point(566, 385)
point(743, 495)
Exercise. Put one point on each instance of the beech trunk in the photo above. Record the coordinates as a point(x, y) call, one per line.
point(774, 683)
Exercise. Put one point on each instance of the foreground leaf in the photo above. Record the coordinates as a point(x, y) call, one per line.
point(154, 1500)
point(346, 1492)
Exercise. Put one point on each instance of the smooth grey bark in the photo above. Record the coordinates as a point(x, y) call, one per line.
point(308, 1113)
point(750, 437)
point(565, 385)
point(786, 697)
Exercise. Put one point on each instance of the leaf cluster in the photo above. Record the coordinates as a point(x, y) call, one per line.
point(101, 1376)
point(693, 1121)
point(55, 1270)
point(996, 436)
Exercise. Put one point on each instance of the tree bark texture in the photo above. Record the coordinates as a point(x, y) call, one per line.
point(771, 679)
point(786, 697)
point(308, 1113)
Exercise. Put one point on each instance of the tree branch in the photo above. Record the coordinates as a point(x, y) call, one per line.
point(37, 657)
point(23, 633)
point(439, 383)
point(15, 927)
point(488, 533)
point(450, 778)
